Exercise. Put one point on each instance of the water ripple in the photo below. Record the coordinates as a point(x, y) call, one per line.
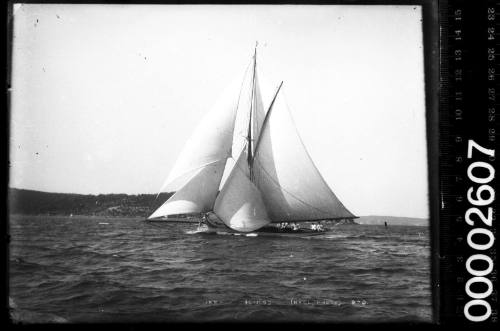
point(78, 270)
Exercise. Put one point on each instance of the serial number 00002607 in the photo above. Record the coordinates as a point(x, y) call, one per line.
point(480, 238)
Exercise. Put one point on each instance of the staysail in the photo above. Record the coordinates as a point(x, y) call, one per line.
point(291, 185)
point(239, 203)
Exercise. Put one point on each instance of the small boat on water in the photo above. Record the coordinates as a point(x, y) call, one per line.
point(245, 168)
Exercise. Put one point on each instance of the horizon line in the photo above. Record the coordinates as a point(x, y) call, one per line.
point(93, 194)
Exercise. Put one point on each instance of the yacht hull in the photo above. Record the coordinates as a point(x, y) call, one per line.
point(214, 225)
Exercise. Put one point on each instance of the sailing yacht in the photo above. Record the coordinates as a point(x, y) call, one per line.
point(245, 166)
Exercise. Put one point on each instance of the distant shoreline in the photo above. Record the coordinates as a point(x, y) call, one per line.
point(139, 218)
point(116, 206)
point(77, 216)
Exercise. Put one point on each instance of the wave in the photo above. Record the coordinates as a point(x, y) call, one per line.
point(130, 271)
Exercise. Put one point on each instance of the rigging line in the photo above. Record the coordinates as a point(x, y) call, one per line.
point(263, 127)
point(286, 191)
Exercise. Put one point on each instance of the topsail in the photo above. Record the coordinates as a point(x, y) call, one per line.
point(273, 179)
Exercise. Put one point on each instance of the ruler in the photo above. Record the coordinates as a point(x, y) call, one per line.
point(469, 75)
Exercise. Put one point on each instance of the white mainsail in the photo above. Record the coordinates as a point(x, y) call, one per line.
point(239, 203)
point(291, 185)
point(273, 180)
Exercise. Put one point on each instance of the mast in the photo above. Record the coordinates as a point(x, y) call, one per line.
point(250, 122)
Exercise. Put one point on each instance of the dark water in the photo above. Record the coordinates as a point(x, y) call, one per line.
point(82, 271)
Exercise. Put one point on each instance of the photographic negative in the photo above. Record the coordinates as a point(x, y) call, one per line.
point(294, 140)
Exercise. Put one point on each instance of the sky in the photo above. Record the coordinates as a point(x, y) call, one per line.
point(104, 96)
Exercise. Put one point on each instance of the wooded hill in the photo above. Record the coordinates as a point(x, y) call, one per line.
point(30, 202)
